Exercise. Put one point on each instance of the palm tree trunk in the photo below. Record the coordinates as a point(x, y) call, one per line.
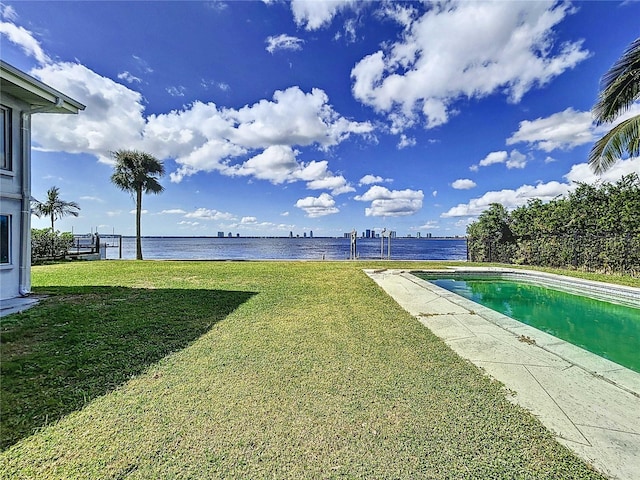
point(53, 234)
point(138, 215)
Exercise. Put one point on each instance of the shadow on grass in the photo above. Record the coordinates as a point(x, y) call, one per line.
point(83, 342)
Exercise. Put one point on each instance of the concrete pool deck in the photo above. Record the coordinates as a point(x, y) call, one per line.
point(590, 404)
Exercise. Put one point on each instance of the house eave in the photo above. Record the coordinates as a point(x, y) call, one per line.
point(39, 96)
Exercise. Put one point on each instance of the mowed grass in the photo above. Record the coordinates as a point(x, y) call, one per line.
point(249, 370)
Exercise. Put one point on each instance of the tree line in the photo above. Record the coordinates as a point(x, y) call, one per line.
point(594, 228)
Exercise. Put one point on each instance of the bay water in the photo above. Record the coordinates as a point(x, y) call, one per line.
point(283, 248)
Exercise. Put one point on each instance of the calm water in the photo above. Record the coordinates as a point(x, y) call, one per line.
point(208, 248)
point(607, 329)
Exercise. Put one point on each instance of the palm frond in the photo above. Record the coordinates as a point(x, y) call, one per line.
point(134, 170)
point(620, 85)
point(624, 137)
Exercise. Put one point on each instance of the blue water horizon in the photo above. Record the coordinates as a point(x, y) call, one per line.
point(286, 248)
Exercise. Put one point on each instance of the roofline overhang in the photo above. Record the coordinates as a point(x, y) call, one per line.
point(40, 96)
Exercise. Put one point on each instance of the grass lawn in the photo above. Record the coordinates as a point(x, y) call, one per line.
point(248, 370)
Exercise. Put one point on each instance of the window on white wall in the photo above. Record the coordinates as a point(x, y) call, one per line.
point(5, 138)
point(5, 237)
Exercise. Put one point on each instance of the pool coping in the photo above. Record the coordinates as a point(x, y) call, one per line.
point(591, 404)
point(615, 373)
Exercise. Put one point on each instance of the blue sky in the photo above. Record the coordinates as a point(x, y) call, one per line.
point(273, 117)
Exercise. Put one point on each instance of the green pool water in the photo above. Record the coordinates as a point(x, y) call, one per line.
point(607, 329)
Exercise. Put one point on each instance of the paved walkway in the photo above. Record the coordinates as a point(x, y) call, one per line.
point(18, 304)
point(590, 404)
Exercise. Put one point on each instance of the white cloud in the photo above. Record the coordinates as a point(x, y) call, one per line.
point(249, 220)
point(336, 183)
point(563, 130)
point(350, 30)
point(178, 91)
point(292, 118)
point(463, 184)
point(283, 42)
point(318, 206)
point(143, 211)
point(582, 173)
point(113, 117)
point(208, 214)
point(514, 159)
point(402, 13)
point(315, 14)
point(142, 64)
point(199, 137)
point(509, 198)
point(430, 225)
point(216, 5)
point(8, 12)
point(464, 49)
point(129, 78)
point(371, 179)
point(173, 211)
point(494, 157)
point(92, 199)
point(391, 203)
point(406, 142)
point(22, 37)
point(544, 191)
point(278, 164)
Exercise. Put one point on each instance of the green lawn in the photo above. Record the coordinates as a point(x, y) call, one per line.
point(249, 370)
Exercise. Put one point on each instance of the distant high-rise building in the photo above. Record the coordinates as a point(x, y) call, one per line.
point(304, 234)
point(290, 234)
point(311, 233)
point(220, 234)
point(367, 233)
point(418, 235)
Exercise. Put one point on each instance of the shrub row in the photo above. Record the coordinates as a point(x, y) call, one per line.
point(593, 228)
point(48, 245)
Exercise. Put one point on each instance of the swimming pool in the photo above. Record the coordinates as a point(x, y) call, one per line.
point(597, 319)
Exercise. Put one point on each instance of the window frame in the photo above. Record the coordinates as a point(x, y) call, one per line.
point(5, 243)
point(6, 161)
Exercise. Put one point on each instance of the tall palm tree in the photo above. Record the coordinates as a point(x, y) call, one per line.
point(620, 89)
point(137, 172)
point(54, 207)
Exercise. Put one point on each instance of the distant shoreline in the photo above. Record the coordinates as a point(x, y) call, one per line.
point(278, 237)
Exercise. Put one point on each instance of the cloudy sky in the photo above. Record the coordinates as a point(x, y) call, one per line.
point(275, 116)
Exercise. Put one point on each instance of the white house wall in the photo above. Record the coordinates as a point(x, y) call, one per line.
point(11, 184)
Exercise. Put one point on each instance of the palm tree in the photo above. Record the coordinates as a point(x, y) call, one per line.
point(54, 207)
point(620, 89)
point(137, 172)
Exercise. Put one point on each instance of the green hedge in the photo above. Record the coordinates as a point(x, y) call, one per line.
point(48, 245)
point(594, 228)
